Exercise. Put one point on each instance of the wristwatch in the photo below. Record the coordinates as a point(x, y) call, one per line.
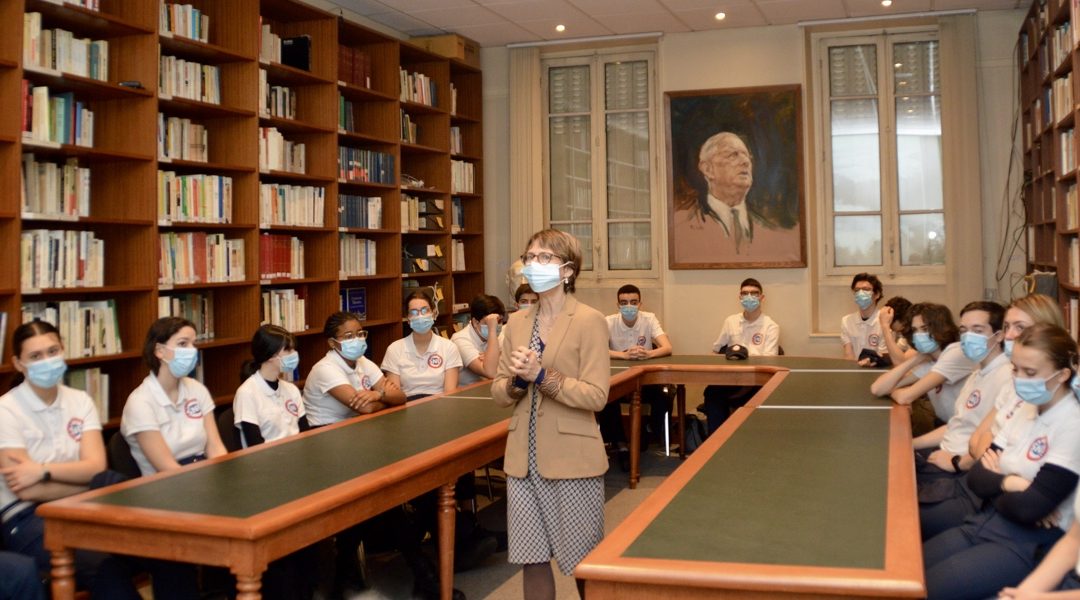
point(956, 463)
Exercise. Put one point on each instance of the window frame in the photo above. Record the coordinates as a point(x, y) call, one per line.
point(596, 59)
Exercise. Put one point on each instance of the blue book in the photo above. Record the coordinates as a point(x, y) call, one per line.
point(356, 301)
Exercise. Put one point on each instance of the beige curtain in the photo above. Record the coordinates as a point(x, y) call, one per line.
point(526, 147)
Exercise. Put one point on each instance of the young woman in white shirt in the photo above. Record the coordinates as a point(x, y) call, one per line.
point(266, 407)
point(422, 363)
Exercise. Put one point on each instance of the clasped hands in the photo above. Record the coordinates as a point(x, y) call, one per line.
point(525, 363)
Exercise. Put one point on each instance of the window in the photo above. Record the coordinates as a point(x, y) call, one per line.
point(600, 159)
point(882, 170)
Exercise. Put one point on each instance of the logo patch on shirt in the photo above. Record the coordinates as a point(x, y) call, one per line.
point(434, 361)
point(1038, 448)
point(641, 340)
point(74, 429)
point(193, 409)
point(1012, 410)
point(292, 408)
point(757, 339)
point(973, 400)
point(365, 382)
point(874, 339)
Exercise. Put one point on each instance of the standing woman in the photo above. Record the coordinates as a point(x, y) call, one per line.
point(554, 369)
point(266, 407)
point(422, 363)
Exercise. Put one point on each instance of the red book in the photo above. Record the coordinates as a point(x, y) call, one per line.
point(264, 256)
point(200, 257)
point(27, 105)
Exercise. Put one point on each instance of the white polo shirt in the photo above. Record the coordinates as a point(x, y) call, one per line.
point(1008, 405)
point(955, 368)
point(974, 400)
point(421, 373)
point(1030, 440)
point(645, 329)
point(470, 346)
point(49, 433)
point(327, 374)
point(761, 337)
point(275, 412)
point(862, 333)
point(149, 408)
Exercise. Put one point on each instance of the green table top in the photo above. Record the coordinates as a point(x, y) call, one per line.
point(790, 487)
point(802, 388)
point(287, 472)
point(794, 363)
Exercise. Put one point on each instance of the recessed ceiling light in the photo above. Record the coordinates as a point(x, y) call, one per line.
point(886, 3)
point(898, 65)
point(560, 28)
point(720, 16)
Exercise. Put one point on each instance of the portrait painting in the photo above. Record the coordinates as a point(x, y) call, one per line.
point(735, 182)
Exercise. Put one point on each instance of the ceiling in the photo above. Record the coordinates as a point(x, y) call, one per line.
point(501, 22)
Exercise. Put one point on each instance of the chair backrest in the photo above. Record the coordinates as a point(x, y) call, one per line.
point(120, 459)
point(230, 436)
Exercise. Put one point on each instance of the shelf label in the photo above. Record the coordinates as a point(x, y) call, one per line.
point(340, 82)
point(264, 282)
point(264, 226)
point(163, 96)
point(164, 159)
point(167, 34)
point(165, 287)
point(164, 223)
point(32, 291)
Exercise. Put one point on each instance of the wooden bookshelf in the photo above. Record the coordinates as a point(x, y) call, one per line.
point(124, 165)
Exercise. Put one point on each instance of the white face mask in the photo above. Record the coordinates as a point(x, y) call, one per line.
point(542, 278)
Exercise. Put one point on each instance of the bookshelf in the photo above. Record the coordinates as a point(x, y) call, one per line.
point(1046, 53)
point(223, 193)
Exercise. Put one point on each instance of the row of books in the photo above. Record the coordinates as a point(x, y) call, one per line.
point(1074, 261)
point(55, 118)
point(179, 78)
point(358, 164)
point(453, 99)
point(357, 255)
point(457, 216)
point(60, 50)
point(1062, 97)
point(457, 258)
point(61, 259)
point(301, 205)
point(1041, 244)
point(277, 100)
point(354, 300)
point(88, 327)
point(359, 212)
point(462, 177)
point(417, 87)
point(409, 129)
point(197, 198)
point(292, 51)
point(279, 154)
point(1073, 317)
point(421, 214)
point(54, 189)
point(284, 308)
point(354, 66)
point(419, 257)
point(197, 307)
point(280, 257)
point(346, 114)
point(96, 385)
point(455, 140)
point(184, 20)
point(1041, 111)
point(194, 257)
point(1060, 44)
point(1072, 208)
point(1067, 150)
point(182, 139)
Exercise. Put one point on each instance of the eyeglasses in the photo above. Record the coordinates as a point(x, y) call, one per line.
point(629, 302)
point(540, 257)
point(359, 335)
point(416, 312)
point(749, 294)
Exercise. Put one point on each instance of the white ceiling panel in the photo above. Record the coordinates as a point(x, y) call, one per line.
point(401, 21)
point(618, 7)
point(781, 12)
point(536, 10)
point(980, 4)
point(452, 18)
point(499, 34)
point(365, 7)
point(637, 23)
point(873, 8)
point(737, 16)
point(715, 5)
point(581, 27)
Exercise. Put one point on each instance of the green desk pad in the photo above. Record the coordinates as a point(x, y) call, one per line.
point(790, 487)
point(283, 473)
point(790, 362)
point(802, 388)
point(480, 391)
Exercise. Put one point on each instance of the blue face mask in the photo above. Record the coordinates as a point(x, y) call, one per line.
point(183, 361)
point(46, 373)
point(1074, 383)
point(924, 342)
point(422, 324)
point(542, 278)
point(629, 312)
point(290, 361)
point(974, 345)
point(864, 299)
point(1033, 390)
point(750, 303)
point(353, 349)
point(484, 330)
point(1009, 347)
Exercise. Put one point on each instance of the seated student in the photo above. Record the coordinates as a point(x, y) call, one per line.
point(422, 363)
point(937, 372)
point(50, 445)
point(896, 328)
point(524, 297)
point(1027, 479)
point(751, 329)
point(478, 354)
point(1058, 573)
point(267, 408)
point(861, 330)
point(635, 335)
point(19, 578)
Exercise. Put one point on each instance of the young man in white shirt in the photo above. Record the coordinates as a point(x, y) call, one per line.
point(861, 330)
point(479, 354)
point(635, 335)
point(751, 329)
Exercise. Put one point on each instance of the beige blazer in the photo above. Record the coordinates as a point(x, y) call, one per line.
point(568, 443)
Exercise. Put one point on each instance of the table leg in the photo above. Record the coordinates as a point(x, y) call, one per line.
point(635, 436)
point(63, 574)
point(248, 586)
point(447, 519)
point(680, 395)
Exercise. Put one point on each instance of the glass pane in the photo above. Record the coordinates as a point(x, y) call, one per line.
point(918, 152)
point(568, 89)
point(916, 68)
point(853, 70)
point(571, 177)
point(583, 232)
point(626, 85)
point(628, 165)
point(629, 246)
point(922, 239)
point(857, 240)
point(855, 171)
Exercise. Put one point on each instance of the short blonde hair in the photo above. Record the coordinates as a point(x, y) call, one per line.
point(1041, 309)
point(563, 245)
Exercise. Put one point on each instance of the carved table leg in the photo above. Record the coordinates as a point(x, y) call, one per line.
point(447, 520)
point(635, 437)
point(63, 574)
